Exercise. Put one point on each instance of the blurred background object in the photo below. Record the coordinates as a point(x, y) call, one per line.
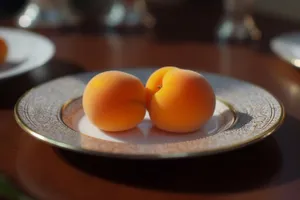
point(109, 13)
point(288, 9)
point(46, 13)
point(224, 18)
point(169, 20)
point(237, 23)
point(284, 9)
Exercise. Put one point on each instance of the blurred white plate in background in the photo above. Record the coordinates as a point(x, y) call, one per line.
point(26, 51)
point(287, 47)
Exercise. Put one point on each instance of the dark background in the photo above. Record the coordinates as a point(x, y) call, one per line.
point(9, 8)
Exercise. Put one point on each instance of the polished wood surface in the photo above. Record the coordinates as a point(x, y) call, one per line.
point(266, 170)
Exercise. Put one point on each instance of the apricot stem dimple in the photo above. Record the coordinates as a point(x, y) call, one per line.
point(159, 87)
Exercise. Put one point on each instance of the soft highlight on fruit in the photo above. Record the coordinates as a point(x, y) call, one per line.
point(179, 100)
point(114, 101)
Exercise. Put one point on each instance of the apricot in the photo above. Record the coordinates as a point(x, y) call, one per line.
point(3, 50)
point(179, 100)
point(114, 101)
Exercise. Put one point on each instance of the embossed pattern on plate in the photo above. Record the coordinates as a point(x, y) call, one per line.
point(259, 114)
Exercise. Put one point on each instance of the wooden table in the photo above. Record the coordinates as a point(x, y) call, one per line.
point(266, 170)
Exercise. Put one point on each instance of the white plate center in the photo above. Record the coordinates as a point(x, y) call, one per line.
point(146, 133)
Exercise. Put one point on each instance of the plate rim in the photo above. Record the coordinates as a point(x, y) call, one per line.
point(224, 149)
point(13, 72)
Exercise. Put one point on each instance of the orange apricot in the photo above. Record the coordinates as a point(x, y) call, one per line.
point(154, 82)
point(179, 100)
point(114, 101)
point(3, 50)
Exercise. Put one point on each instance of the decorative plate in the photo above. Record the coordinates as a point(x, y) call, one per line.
point(53, 113)
point(26, 51)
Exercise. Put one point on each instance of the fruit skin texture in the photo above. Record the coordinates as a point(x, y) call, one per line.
point(179, 100)
point(3, 50)
point(155, 81)
point(114, 101)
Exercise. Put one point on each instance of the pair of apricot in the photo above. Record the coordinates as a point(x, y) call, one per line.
point(177, 100)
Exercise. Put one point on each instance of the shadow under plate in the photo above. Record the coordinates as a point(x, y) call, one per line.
point(244, 169)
